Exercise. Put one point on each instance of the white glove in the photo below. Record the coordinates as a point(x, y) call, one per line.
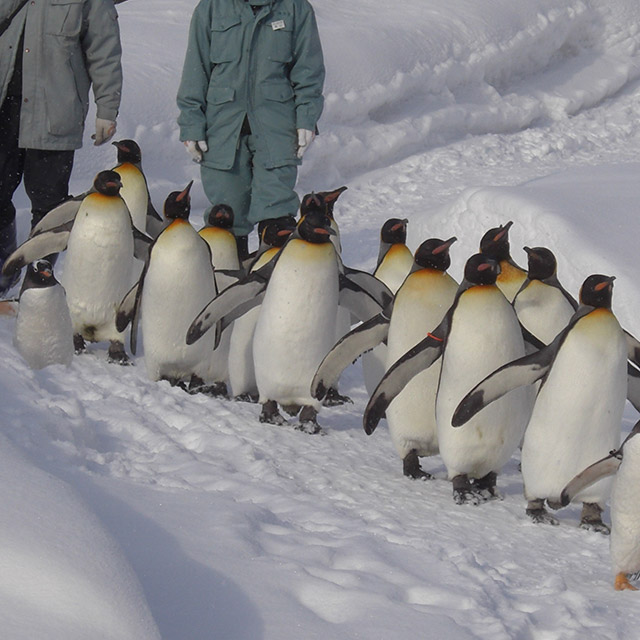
point(196, 149)
point(305, 138)
point(104, 131)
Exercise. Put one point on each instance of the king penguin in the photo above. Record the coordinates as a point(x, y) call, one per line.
point(479, 332)
point(543, 306)
point(242, 377)
point(394, 263)
point(572, 424)
point(98, 269)
point(495, 244)
point(43, 332)
point(135, 190)
point(624, 463)
point(176, 282)
point(299, 291)
point(418, 308)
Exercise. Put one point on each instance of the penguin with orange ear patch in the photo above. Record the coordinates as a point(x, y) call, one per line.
point(577, 414)
point(176, 282)
point(495, 244)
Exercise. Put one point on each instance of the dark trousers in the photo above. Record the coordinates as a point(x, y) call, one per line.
point(46, 173)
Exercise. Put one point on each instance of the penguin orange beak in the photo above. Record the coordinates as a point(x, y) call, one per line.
point(284, 232)
point(444, 246)
point(605, 284)
point(325, 231)
point(503, 231)
point(184, 193)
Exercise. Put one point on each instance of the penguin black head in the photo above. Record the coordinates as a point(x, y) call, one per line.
point(128, 151)
point(276, 231)
point(495, 242)
point(481, 269)
point(108, 183)
point(542, 263)
point(178, 204)
point(597, 291)
point(394, 231)
point(315, 227)
point(323, 201)
point(221, 216)
point(39, 275)
point(434, 254)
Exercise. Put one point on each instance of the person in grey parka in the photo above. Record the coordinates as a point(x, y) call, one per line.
point(250, 98)
point(51, 53)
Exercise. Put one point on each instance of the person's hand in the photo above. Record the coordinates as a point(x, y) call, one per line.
point(305, 138)
point(196, 148)
point(104, 131)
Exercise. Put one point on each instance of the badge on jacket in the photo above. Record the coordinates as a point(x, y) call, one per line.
point(277, 24)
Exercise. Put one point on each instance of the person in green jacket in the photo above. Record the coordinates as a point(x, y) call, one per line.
point(250, 99)
point(51, 53)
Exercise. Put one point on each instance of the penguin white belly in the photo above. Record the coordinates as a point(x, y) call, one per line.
point(625, 511)
point(484, 335)
point(242, 375)
point(419, 307)
point(43, 333)
point(134, 192)
point(510, 279)
point(577, 416)
point(393, 270)
point(98, 266)
point(543, 310)
point(177, 286)
point(296, 325)
point(224, 250)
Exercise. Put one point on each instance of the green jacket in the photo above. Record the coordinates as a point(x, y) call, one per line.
point(267, 67)
point(69, 45)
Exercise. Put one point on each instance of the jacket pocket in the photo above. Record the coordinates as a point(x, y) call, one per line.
point(64, 17)
point(226, 38)
point(277, 92)
point(220, 95)
point(278, 38)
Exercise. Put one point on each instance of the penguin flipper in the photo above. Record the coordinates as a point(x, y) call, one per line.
point(63, 213)
point(44, 243)
point(377, 289)
point(523, 371)
point(141, 244)
point(361, 303)
point(224, 278)
point(246, 293)
point(598, 470)
point(633, 348)
point(347, 350)
point(416, 360)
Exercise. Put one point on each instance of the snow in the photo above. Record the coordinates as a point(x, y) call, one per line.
point(129, 509)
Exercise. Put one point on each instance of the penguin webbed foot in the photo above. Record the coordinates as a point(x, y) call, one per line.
point(216, 390)
point(116, 353)
point(486, 487)
point(247, 397)
point(591, 519)
point(536, 511)
point(621, 583)
point(465, 493)
point(79, 345)
point(308, 422)
point(334, 399)
point(411, 467)
point(270, 414)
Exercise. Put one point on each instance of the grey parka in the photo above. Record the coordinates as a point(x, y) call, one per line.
point(267, 66)
point(68, 46)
